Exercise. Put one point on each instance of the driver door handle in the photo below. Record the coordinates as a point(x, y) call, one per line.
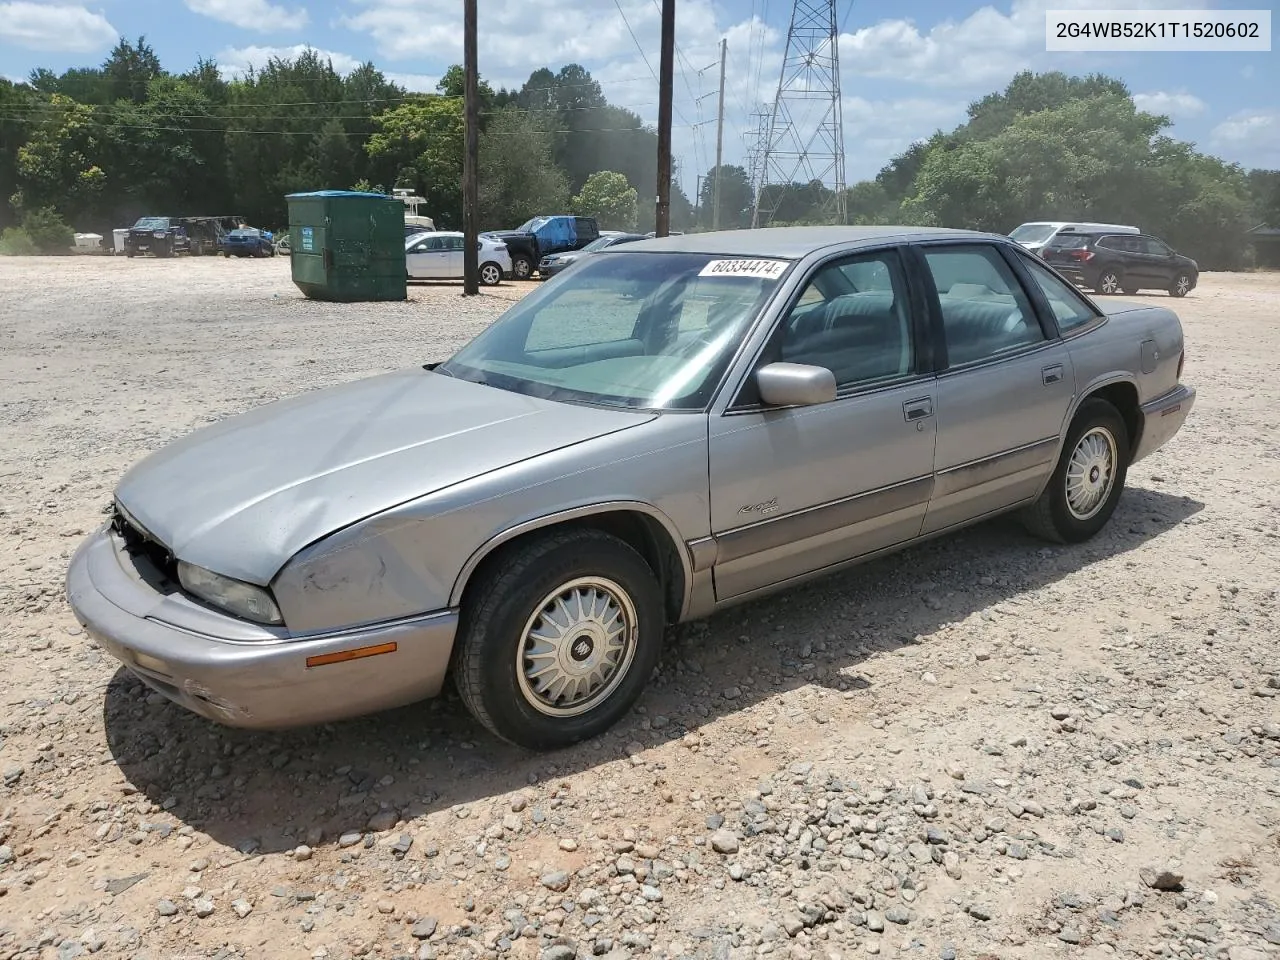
point(917, 409)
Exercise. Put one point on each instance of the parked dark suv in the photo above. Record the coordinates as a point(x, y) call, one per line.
point(1113, 262)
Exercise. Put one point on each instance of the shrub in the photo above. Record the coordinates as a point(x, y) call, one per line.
point(14, 242)
point(47, 230)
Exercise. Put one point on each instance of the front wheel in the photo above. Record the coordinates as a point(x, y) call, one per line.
point(1087, 482)
point(1181, 286)
point(490, 274)
point(1108, 283)
point(558, 640)
point(521, 267)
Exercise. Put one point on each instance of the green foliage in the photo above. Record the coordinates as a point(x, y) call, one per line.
point(47, 231)
point(1052, 147)
point(426, 136)
point(610, 199)
point(518, 177)
point(16, 242)
point(736, 198)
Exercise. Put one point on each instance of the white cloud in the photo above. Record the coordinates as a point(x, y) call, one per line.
point(1250, 138)
point(62, 27)
point(236, 61)
point(875, 130)
point(986, 47)
point(257, 15)
point(1176, 106)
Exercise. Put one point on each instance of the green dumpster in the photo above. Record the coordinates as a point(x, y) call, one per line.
point(347, 245)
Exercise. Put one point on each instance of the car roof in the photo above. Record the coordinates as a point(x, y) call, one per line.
point(792, 243)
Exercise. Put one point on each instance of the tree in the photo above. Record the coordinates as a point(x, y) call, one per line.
point(609, 198)
point(58, 166)
point(518, 177)
point(129, 69)
point(736, 198)
point(335, 161)
point(425, 134)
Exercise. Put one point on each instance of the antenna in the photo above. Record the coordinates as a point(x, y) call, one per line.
point(794, 149)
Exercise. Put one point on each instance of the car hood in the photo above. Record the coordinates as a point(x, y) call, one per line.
point(507, 235)
point(242, 496)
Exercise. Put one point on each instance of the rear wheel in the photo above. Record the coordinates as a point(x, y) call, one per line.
point(559, 639)
point(1108, 283)
point(521, 267)
point(1181, 286)
point(1088, 480)
point(1130, 291)
point(490, 274)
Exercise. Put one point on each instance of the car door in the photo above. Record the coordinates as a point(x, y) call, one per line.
point(797, 489)
point(1005, 385)
point(421, 259)
point(1161, 266)
point(452, 263)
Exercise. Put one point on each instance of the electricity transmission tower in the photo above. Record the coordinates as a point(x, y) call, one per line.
point(795, 148)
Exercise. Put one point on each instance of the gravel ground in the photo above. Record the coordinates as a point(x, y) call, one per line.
point(980, 748)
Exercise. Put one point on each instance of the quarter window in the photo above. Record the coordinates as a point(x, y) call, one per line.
point(985, 312)
point(1154, 247)
point(852, 318)
point(1068, 307)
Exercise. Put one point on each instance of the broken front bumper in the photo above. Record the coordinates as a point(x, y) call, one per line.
point(271, 682)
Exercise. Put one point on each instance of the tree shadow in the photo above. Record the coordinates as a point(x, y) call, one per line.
point(269, 792)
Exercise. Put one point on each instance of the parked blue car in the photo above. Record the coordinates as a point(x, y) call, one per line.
point(248, 242)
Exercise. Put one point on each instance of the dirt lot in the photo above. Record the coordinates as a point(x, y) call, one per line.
point(973, 749)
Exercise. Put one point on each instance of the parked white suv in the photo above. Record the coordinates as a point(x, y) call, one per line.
point(1035, 236)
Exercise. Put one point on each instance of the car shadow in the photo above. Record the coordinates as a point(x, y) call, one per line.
point(270, 791)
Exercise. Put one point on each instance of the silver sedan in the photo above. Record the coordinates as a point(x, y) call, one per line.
point(675, 426)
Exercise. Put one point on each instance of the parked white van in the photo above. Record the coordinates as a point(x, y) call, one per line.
point(1036, 235)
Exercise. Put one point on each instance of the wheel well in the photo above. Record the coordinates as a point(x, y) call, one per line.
point(1124, 397)
point(641, 532)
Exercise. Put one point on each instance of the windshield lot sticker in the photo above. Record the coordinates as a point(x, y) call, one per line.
point(765, 269)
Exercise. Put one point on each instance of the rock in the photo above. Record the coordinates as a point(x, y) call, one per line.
point(875, 921)
point(1069, 935)
point(402, 845)
point(899, 915)
point(118, 885)
point(955, 771)
point(1161, 878)
point(203, 907)
point(6, 854)
point(166, 908)
point(979, 912)
point(557, 880)
point(792, 924)
point(423, 929)
point(1245, 953)
point(715, 821)
point(70, 949)
point(386, 907)
point(568, 845)
point(559, 952)
point(1060, 712)
point(12, 774)
point(651, 893)
point(725, 842)
point(382, 821)
point(242, 908)
point(951, 864)
point(301, 852)
point(350, 838)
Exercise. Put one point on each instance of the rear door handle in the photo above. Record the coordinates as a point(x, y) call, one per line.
point(918, 409)
point(1051, 374)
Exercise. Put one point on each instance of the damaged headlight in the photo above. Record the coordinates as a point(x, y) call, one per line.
point(245, 600)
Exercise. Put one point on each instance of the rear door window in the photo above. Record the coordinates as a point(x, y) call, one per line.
point(985, 312)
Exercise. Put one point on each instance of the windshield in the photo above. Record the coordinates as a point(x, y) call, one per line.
point(631, 329)
point(152, 223)
point(531, 225)
point(1033, 233)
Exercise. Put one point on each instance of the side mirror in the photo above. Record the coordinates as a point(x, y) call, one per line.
point(795, 384)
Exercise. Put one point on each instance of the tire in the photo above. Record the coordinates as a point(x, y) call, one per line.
point(490, 274)
point(1181, 285)
point(164, 250)
point(490, 670)
point(521, 267)
point(1130, 291)
point(1108, 283)
point(227, 254)
point(1097, 433)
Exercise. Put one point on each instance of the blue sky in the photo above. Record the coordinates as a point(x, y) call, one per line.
point(908, 67)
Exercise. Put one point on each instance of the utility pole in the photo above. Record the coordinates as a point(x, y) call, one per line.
point(715, 190)
point(666, 73)
point(470, 157)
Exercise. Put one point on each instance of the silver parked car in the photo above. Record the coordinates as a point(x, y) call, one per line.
point(674, 426)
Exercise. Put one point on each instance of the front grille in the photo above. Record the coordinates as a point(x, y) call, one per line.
point(142, 546)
